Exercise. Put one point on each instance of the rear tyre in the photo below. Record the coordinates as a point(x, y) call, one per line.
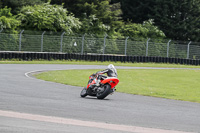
point(104, 91)
point(83, 92)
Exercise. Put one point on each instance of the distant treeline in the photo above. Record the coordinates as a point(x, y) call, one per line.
point(161, 19)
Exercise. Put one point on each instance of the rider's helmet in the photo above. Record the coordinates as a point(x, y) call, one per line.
point(111, 67)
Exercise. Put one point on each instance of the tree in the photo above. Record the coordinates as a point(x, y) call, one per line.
point(7, 20)
point(16, 5)
point(142, 31)
point(48, 17)
point(136, 11)
point(179, 20)
point(97, 16)
point(93, 25)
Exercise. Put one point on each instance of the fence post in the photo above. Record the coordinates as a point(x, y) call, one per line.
point(147, 45)
point(188, 49)
point(126, 44)
point(83, 38)
point(20, 40)
point(104, 45)
point(61, 41)
point(168, 48)
point(1, 30)
point(42, 41)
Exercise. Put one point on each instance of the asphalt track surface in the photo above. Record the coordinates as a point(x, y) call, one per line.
point(29, 105)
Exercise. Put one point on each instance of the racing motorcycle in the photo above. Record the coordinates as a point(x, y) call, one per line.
point(106, 86)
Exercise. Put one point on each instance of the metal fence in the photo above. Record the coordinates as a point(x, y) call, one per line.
point(83, 44)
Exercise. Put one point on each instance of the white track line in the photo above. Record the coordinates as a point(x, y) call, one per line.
point(27, 73)
point(66, 121)
point(35, 71)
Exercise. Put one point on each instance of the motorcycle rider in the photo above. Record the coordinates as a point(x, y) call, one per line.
point(111, 72)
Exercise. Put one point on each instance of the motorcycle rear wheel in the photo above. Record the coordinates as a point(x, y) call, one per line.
point(84, 92)
point(105, 92)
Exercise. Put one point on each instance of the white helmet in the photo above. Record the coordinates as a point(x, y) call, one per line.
point(111, 66)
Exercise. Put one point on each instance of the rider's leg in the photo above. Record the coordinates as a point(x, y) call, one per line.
point(98, 80)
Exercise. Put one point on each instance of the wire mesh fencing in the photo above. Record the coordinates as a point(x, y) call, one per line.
point(88, 44)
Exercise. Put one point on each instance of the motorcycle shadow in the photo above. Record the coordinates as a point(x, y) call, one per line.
point(94, 98)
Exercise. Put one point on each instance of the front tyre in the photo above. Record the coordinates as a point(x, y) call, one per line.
point(83, 92)
point(103, 91)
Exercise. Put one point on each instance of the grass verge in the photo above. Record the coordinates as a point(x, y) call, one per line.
point(172, 84)
point(15, 61)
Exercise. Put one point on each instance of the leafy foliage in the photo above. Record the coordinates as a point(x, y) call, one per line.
point(48, 17)
point(16, 5)
point(7, 20)
point(178, 19)
point(136, 11)
point(98, 16)
point(145, 30)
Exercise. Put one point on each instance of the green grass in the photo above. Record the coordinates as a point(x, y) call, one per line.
point(96, 63)
point(172, 84)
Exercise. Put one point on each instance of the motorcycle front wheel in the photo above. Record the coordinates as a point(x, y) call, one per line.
point(83, 92)
point(103, 91)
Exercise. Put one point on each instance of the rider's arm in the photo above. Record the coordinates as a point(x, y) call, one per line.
point(102, 72)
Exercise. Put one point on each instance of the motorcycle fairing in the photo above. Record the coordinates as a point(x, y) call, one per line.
point(92, 83)
point(111, 80)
